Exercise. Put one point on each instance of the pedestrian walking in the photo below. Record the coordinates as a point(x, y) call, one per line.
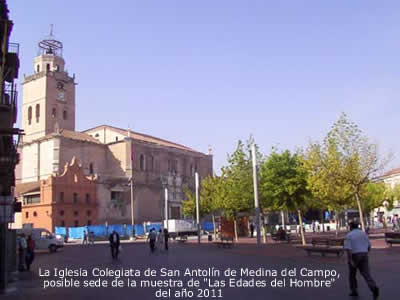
point(22, 245)
point(357, 246)
point(395, 221)
point(152, 238)
point(166, 237)
point(252, 229)
point(85, 238)
point(30, 252)
point(160, 239)
point(114, 244)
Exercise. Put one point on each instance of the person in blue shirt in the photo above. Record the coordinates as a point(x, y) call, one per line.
point(357, 246)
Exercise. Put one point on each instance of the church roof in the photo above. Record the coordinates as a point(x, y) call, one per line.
point(69, 134)
point(76, 135)
point(144, 138)
point(392, 172)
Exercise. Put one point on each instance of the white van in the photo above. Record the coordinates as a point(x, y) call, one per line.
point(43, 238)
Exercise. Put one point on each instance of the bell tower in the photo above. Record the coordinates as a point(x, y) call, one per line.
point(48, 94)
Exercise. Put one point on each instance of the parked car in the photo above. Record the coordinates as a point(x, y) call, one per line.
point(43, 238)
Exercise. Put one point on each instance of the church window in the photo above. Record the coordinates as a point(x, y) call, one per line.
point(87, 198)
point(61, 196)
point(54, 113)
point(116, 198)
point(96, 135)
point(29, 115)
point(38, 68)
point(27, 214)
point(47, 67)
point(62, 223)
point(64, 114)
point(76, 223)
point(35, 214)
point(151, 163)
point(37, 112)
point(61, 212)
point(116, 139)
point(91, 168)
point(75, 198)
point(76, 213)
point(142, 163)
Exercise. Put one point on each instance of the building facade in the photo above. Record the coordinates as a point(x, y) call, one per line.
point(112, 155)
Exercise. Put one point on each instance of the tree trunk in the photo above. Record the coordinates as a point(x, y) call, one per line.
point(337, 223)
point(215, 230)
point(283, 220)
point(303, 240)
point(264, 235)
point(322, 221)
point(360, 211)
point(235, 229)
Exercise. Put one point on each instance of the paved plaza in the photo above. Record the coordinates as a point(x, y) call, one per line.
point(385, 265)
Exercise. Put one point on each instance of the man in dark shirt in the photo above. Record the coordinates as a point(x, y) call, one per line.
point(114, 244)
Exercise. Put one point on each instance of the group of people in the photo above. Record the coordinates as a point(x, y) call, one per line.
point(26, 252)
point(161, 237)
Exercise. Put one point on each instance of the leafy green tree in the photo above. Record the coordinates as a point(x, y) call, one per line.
point(283, 184)
point(345, 159)
point(374, 195)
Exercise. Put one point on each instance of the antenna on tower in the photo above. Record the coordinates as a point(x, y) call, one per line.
point(51, 29)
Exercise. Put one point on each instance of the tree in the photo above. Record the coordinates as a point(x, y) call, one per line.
point(329, 191)
point(374, 195)
point(236, 189)
point(349, 160)
point(209, 199)
point(284, 185)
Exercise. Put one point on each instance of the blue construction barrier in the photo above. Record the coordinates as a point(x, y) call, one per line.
point(76, 232)
point(60, 230)
point(98, 230)
point(207, 226)
point(156, 226)
point(104, 231)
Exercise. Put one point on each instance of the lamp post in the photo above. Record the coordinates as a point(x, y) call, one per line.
point(256, 204)
point(132, 215)
point(166, 206)
point(197, 206)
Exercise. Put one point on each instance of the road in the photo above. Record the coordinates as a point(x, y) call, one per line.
point(385, 265)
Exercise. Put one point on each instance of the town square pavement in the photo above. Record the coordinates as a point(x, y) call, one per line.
point(384, 262)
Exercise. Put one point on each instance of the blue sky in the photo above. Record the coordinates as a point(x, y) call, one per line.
point(211, 72)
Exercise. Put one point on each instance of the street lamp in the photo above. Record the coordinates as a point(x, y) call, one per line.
point(197, 206)
point(256, 204)
point(164, 182)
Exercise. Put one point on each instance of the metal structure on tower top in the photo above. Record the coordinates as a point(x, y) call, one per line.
point(50, 45)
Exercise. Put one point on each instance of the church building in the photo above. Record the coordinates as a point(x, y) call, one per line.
point(71, 178)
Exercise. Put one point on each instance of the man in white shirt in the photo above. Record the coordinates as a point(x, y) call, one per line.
point(357, 246)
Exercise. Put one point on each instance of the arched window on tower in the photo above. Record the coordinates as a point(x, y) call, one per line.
point(37, 113)
point(29, 115)
point(54, 113)
point(48, 67)
point(64, 114)
point(38, 68)
point(142, 163)
point(91, 169)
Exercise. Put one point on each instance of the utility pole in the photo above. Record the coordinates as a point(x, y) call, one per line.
point(197, 206)
point(255, 183)
point(166, 206)
point(9, 65)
